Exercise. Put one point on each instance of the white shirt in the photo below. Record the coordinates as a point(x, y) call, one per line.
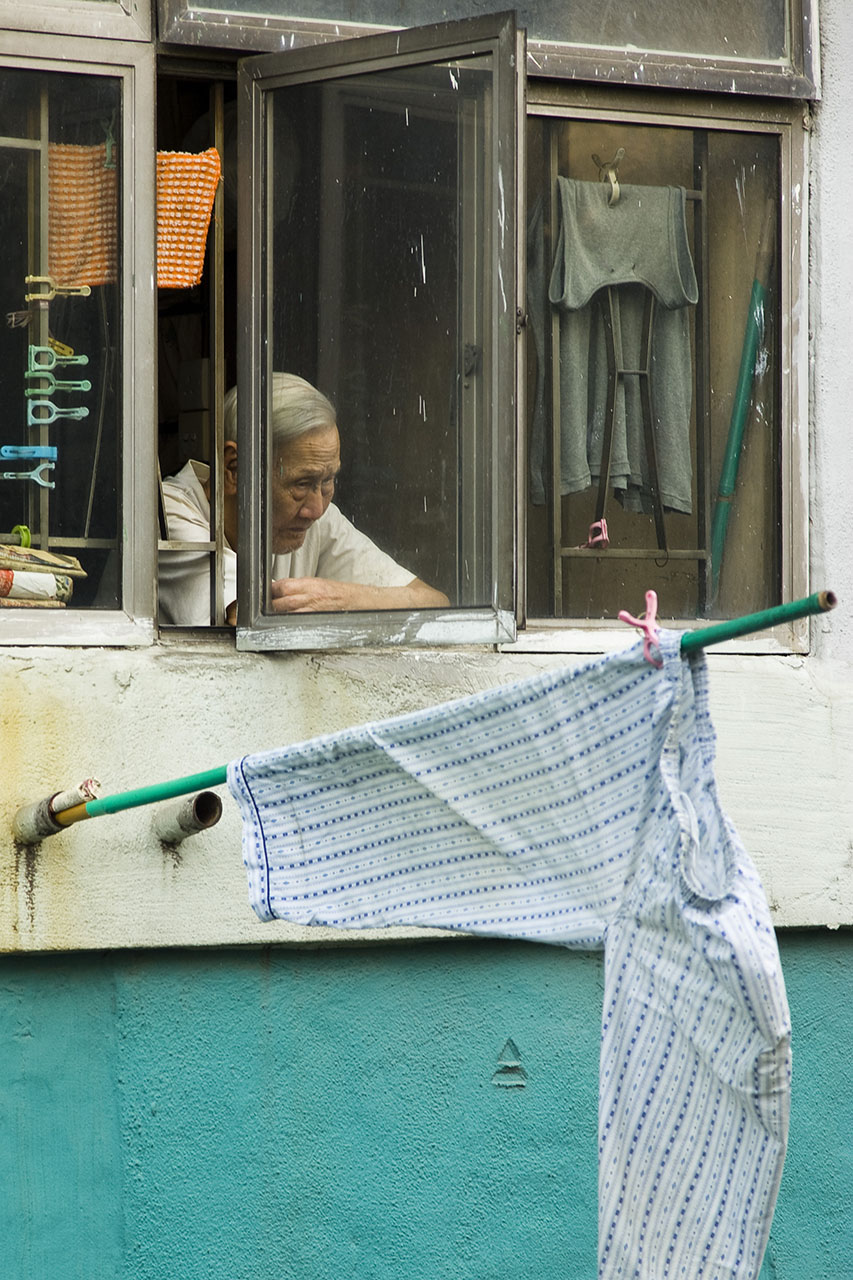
point(333, 548)
point(577, 807)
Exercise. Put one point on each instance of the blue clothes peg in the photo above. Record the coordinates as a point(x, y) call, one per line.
point(28, 451)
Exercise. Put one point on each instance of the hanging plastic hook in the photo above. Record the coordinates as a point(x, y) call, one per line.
point(649, 627)
point(38, 474)
point(608, 170)
point(53, 290)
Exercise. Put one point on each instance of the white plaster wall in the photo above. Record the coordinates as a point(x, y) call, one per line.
point(133, 718)
point(785, 724)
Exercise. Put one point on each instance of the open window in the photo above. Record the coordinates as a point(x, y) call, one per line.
point(76, 221)
point(378, 185)
point(386, 226)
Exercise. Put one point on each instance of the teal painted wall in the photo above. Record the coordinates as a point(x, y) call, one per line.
point(277, 1114)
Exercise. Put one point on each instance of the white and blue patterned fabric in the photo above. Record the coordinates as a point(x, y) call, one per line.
point(579, 808)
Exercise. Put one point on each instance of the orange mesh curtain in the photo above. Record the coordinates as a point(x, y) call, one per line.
point(82, 217)
point(81, 222)
point(186, 186)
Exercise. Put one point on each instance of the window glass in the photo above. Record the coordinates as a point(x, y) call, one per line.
point(370, 256)
point(654, 374)
point(388, 284)
point(60, 376)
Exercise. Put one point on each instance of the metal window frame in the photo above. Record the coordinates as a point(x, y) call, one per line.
point(791, 124)
point(495, 623)
point(104, 19)
point(181, 22)
point(134, 65)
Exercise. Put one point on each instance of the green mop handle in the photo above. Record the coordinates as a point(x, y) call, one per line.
point(743, 395)
point(820, 602)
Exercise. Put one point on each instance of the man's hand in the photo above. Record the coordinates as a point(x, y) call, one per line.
point(322, 595)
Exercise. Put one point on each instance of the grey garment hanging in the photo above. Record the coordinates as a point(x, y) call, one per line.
point(636, 245)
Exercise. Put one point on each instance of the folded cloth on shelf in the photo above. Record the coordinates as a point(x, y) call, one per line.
point(23, 585)
point(579, 808)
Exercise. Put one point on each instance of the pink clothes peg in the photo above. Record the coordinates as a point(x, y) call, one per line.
point(647, 623)
point(598, 536)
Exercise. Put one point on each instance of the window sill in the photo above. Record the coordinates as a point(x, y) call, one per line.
point(95, 627)
point(542, 636)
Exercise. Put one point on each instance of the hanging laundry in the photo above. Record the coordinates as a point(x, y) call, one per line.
point(637, 245)
point(578, 808)
point(186, 187)
point(82, 215)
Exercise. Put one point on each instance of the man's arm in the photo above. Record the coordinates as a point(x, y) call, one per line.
point(322, 595)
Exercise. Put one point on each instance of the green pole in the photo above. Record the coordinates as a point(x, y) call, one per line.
point(742, 397)
point(159, 791)
point(820, 602)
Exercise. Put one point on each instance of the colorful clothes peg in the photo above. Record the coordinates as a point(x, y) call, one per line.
point(36, 474)
point(41, 411)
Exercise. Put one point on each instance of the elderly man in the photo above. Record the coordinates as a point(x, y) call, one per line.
point(321, 563)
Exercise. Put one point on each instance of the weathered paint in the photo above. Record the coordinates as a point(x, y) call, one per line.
point(244, 1113)
point(785, 727)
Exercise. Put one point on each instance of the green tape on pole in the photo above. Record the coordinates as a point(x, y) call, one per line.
point(160, 791)
point(820, 602)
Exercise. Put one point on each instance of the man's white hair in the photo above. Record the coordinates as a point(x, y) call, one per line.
point(297, 407)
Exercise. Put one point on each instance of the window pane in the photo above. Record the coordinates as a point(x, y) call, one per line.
point(727, 29)
point(60, 376)
point(381, 229)
point(654, 310)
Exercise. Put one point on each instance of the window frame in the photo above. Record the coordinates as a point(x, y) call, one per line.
point(493, 624)
point(182, 22)
point(107, 19)
point(791, 123)
point(134, 64)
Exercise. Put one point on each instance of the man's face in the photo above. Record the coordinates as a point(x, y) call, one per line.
point(302, 485)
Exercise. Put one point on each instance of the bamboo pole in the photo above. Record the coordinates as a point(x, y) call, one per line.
point(34, 822)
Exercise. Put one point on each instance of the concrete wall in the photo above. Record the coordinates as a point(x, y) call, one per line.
point(250, 1114)
point(130, 718)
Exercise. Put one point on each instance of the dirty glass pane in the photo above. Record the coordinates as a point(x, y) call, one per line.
point(654, 369)
point(756, 29)
point(380, 226)
point(60, 373)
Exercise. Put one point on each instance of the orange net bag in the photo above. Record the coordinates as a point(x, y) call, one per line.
point(82, 215)
point(186, 186)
